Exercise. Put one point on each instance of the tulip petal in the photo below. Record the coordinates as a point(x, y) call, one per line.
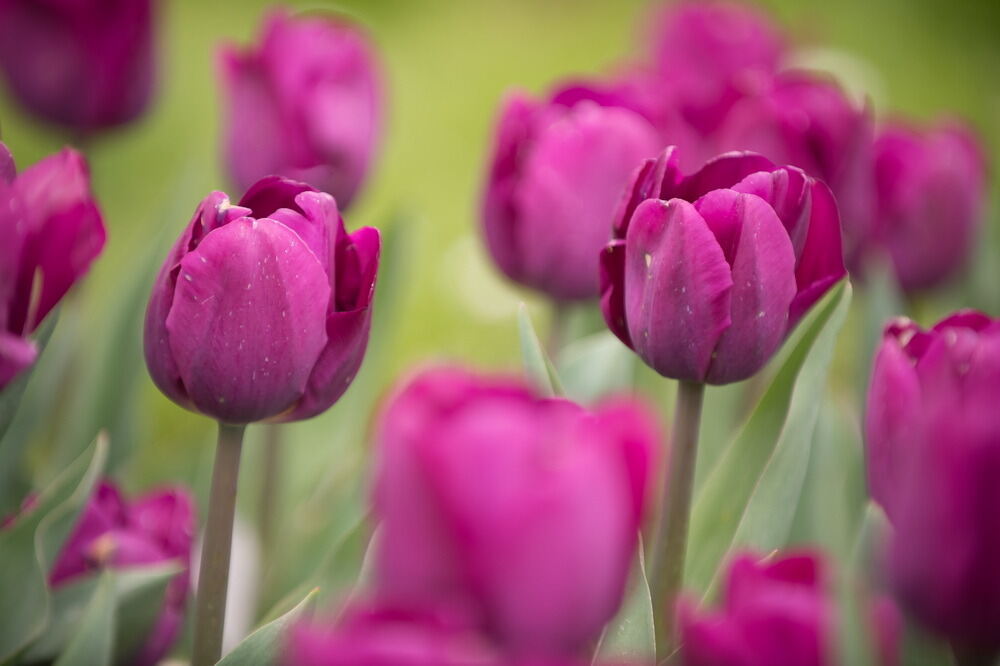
point(347, 330)
point(612, 267)
point(721, 172)
point(677, 288)
point(787, 192)
point(763, 278)
point(651, 180)
point(821, 264)
point(892, 420)
point(246, 324)
point(16, 355)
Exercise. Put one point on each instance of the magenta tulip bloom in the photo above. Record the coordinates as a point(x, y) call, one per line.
point(707, 273)
point(776, 611)
point(158, 527)
point(933, 445)
point(53, 233)
point(808, 121)
point(86, 65)
point(262, 310)
point(374, 635)
point(931, 189)
point(519, 511)
point(305, 104)
point(708, 55)
point(556, 172)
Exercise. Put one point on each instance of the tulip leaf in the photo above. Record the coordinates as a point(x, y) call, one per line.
point(857, 643)
point(750, 496)
point(537, 366)
point(630, 635)
point(263, 646)
point(11, 396)
point(138, 600)
point(93, 638)
point(596, 366)
point(28, 549)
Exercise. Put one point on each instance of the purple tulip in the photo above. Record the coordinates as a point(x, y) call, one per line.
point(262, 310)
point(707, 273)
point(112, 533)
point(374, 635)
point(54, 233)
point(556, 172)
point(933, 446)
point(930, 188)
point(518, 511)
point(808, 121)
point(777, 611)
point(85, 64)
point(306, 104)
point(708, 55)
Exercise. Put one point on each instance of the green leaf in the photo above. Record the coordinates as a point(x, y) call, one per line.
point(630, 636)
point(93, 639)
point(750, 497)
point(11, 396)
point(263, 646)
point(857, 643)
point(596, 366)
point(138, 600)
point(537, 365)
point(29, 547)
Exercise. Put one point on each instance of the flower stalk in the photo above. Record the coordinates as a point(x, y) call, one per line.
point(213, 575)
point(670, 541)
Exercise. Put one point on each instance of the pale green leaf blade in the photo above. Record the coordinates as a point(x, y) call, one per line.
point(263, 646)
point(537, 365)
point(630, 636)
point(92, 641)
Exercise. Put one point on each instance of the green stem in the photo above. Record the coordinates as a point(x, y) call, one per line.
point(965, 656)
point(270, 490)
point(674, 512)
point(213, 575)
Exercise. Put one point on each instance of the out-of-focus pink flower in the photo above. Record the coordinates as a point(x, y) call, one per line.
point(807, 120)
point(930, 187)
point(555, 174)
point(305, 104)
point(262, 310)
point(113, 533)
point(86, 64)
point(519, 512)
point(707, 273)
point(53, 231)
point(933, 446)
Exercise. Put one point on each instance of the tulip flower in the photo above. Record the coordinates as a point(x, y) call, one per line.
point(708, 273)
point(262, 310)
point(519, 511)
point(775, 612)
point(930, 193)
point(933, 449)
point(113, 533)
point(808, 121)
point(708, 55)
point(86, 65)
point(305, 104)
point(555, 174)
point(54, 232)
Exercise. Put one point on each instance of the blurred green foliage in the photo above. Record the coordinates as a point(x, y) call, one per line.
point(446, 64)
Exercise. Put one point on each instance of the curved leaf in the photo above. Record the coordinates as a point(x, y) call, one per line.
point(630, 636)
point(263, 646)
point(537, 365)
point(93, 639)
point(751, 495)
point(11, 396)
point(596, 366)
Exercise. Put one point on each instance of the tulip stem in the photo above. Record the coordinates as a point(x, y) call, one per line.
point(670, 541)
point(965, 656)
point(213, 575)
point(269, 490)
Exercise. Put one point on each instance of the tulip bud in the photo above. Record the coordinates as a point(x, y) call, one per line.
point(776, 610)
point(933, 448)
point(555, 175)
point(54, 232)
point(930, 189)
point(538, 549)
point(112, 533)
point(707, 273)
point(710, 54)
point(262, 310)
point(377, 635)
point(304, 104)
point(808, 121)
point(86, 65)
